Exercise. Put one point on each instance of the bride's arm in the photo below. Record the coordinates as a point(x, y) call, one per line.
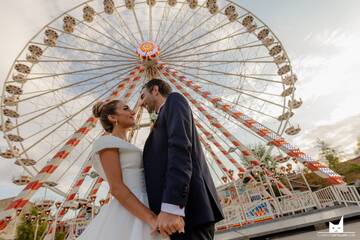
point(111, 165)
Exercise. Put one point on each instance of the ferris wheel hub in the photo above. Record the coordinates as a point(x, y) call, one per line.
point(148, 50)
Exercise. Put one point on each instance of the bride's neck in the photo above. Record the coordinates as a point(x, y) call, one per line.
point(119, 132)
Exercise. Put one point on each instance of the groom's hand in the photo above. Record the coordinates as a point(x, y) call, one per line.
point(168, 223)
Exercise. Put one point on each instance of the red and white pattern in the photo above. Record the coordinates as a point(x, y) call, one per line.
point(36, 183)
point(246, 153)
point(271, 137)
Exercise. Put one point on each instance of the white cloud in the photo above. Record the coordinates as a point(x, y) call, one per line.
point(329, 78)
point(328, 84)
point(341, 135)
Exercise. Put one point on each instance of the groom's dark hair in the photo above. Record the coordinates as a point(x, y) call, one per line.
point(164, 87)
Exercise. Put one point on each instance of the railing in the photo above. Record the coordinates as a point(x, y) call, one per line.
point(248, 213)
point(296, 202)
point(347, 195)
point(241, 214)
point(326, 196)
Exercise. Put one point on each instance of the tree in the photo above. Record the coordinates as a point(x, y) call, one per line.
point(357, 147)
point(259, 151)
point(26, 229)
point(60, 236)
point(329, 154)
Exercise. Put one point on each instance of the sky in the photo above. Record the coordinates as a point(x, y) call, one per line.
point(321, 38)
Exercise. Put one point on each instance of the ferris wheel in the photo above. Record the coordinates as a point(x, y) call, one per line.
point(228, 63)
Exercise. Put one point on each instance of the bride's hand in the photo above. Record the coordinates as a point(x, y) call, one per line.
point(152, 221)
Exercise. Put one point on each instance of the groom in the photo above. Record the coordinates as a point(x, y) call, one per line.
point(178, 182)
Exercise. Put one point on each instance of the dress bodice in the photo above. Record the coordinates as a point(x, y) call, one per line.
point(130, 161)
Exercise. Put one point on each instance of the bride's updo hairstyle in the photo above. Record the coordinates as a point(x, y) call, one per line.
point(102, 110)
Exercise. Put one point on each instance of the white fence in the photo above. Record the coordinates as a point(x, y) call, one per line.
point(237, 214)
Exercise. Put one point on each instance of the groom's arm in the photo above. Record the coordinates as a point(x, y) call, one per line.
point(179, 166)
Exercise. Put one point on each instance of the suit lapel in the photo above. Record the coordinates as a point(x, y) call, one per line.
point(147, 142)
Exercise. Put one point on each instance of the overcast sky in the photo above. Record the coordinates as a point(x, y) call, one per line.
point(321, 37)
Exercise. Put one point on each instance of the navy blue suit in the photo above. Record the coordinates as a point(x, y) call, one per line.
point(175, 168)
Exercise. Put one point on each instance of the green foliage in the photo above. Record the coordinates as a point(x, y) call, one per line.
point(357, 147)
point(259, 151)
point(329, 154)
point(59, 236)
point(26, 229)
point(351, 171)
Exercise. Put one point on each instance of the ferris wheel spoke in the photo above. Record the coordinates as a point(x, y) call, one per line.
point(72, 72)
point(227, 113)
point(116, 29)
point(48, 58)
point(254, 59)
point(57, 105)
point(209, 52)
point(249, 60)
point(171, 24)
point(228, 37)
point(71, 117)
point(242, 90)
point(123, 23)
point(150, 24)
point(129, 52)
point(138, 25)
point(219, 143)
point(86, 36)
point(214, 131)
point(221, 62)
point(93, 42)
point(165, 10)
point(53, 58)
point(77, 158)
point(250, 109)
point(84, 50)
point(213, 169)
point(26, 138)
point(236, 124)
point(214, 121)
point(165, 45)
point(211, 160)
point(51, 150)
point(183, 37)
point(81, 61)
point(179, 47)
point(228, 74)
point(206, 45)
point(49, 106)
point(222, 139)
point(239, 90)
point(67, 101)
point(233, 89)
point(245, 107)
point(77, 83)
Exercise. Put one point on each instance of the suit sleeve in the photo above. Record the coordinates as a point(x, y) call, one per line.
point(179, 166)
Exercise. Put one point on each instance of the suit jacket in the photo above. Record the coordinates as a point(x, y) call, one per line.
point(175, 168)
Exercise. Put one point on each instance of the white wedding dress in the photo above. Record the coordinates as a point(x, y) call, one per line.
point(115, 222)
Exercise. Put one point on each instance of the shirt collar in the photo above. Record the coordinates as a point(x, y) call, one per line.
point(160, 107)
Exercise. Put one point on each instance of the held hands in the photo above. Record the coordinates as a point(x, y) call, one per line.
point(167, 224)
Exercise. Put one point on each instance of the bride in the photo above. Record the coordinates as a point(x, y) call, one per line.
point(127, 216)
